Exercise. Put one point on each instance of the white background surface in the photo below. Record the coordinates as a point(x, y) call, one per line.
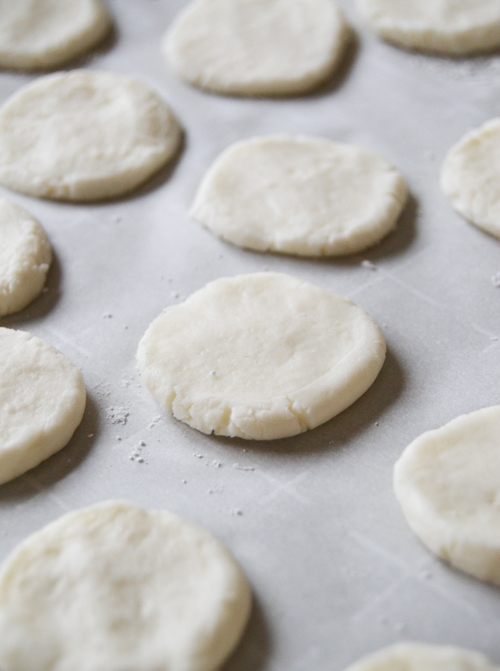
point(335, 571)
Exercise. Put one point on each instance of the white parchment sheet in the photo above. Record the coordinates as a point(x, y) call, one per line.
point(335, 571)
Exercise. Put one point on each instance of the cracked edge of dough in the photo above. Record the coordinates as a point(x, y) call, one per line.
point(285, 415)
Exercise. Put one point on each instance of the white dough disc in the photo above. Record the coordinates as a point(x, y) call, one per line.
point(115, 587)
point(422, 657)
point(260, 356)
point(42, 399)
point(84, 136)
point(40, 34)
point(448, 484)
point(454, 27)
point(257, 47)
point(300, 195)
point(470, 177)
point(25, 257)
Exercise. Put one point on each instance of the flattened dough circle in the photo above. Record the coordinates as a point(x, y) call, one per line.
point(448, 484)
point(42, 400)
point(421, 657)
point(260, 356)
point(455, 27)
point(25, 257)
point(84, 136)
point(257, 47)
point(115, 587)
point(40, 34)
point(470, 177)
point(300, 195)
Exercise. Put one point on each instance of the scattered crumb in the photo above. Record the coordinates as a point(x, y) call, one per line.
point(117, 415)
point(213, 373)
point(184, 482)
point(238, 512)
point(90, 435)
point(368, 265)
point(495, 279)
point(154, 421)
point(118, 438)
point(107, 315)
point(174, 294)
point(102, 390)
point(198, 456)
point(376, 423)
point(142, 443)
point(217, 464)
point(244, 468)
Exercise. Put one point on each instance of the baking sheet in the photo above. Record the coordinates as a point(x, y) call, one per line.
point(335, 571)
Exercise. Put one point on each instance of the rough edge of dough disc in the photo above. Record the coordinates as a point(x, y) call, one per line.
point(274, 89)
point(439, 537)
point(394, 209)
point(452, 167)
point(329, 399)
point(235, 621)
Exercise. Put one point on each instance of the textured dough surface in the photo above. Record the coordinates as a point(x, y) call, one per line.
point(42, 400)
point(260, 356)
point(84, 136)
point(39, 34)
point(452, 27)
point(300, 195)
point(257, 47)
point(470, 177)
point(115, 587)
point(25, 257)
point(448, 484)
point(422, 657)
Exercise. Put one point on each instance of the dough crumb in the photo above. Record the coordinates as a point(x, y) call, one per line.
point(117, 415)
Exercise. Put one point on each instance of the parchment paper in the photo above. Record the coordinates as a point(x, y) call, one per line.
point(335, 571)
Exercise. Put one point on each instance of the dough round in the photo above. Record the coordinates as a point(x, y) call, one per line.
point(300, 195)
point(115, 587)
point(42, 399)
point(84, 136)
point(470, 177)
point(40, 34)
point(25, 257)
point(421, 657)
point(454, 27)
point(257, 47)
point(260, 356)
point(448, 484)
